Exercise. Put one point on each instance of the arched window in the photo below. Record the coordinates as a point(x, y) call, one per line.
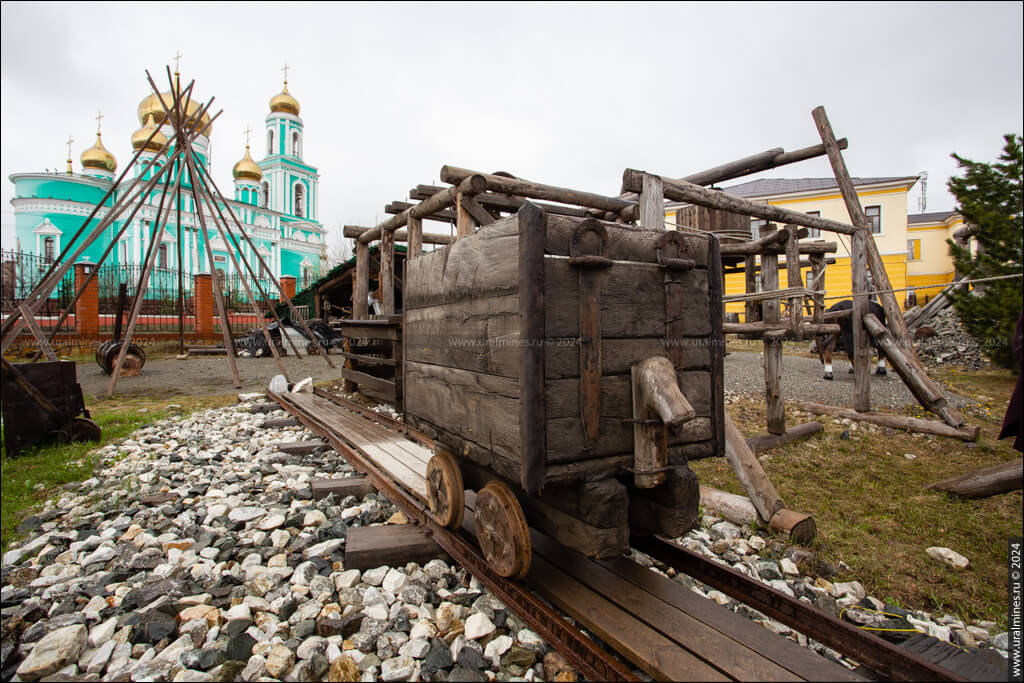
point(265, 194)
point(49, 246)
point(295, 143)
point(245, 195)
point(300, 197)
point(270, 142)
point(162, 257)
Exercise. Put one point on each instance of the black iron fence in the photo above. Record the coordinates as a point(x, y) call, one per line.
point(20, 273)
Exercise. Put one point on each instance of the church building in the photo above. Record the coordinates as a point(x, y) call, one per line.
point(275, 199)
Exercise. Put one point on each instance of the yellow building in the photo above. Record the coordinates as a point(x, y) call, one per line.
point(912, 247)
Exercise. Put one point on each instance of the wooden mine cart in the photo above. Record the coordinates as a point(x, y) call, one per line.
point(572, 367)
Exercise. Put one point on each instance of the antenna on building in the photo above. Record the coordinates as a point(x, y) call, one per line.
point(922, 201)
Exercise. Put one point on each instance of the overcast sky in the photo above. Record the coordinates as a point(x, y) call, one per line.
point(561, 94)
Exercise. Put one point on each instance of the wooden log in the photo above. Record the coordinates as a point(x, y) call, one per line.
point(531, 429)
point(387, 273)
point(799, 526)
point(669, 510)
point(395, 545)
point(751, 309)
point(652, 204)
point(37, 332)
point(861, 356)
point(464, 221)
point(766, 442)
point(772, 158)
point(471, 184)
point(745, 248)
point(415, 231)
point(774, 406)
point(301, 447)
point(759, 329)
point(341, 488)
point(526, 188)
point(907, 424)
point(904, 368)
point(818, 284)
point(500, 202)
point(793, 278)
point(988, 481)
point(402, 235)
point(750, 473)
point(735, 508)
point(396, 208)
point(655, 395)
point(682, 191)
point(361, 290)
point(481, 215)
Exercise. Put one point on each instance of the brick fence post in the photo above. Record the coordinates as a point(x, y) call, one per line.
point(288, 285)
point(204, 305)
point(87, 310)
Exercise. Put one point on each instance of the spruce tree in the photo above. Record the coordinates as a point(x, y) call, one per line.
point(990, 199)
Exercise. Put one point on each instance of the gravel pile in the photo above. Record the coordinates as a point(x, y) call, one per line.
point(950, 344)
point(198, 554)
point(801, 574)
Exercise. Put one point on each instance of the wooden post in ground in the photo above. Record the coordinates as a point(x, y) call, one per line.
point(652, 204)
point(414, 228)
point(362, 286)
point(464, 221)
point(751, 309)
point(774, 405)
point(861, 353)
point(387, 272)
point(793, 278)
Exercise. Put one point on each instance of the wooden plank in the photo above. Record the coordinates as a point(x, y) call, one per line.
point(652, 204)
point(398, 445)
point(726, 629)
point(366, 329)
point(383, 386)
point(394, 545)
point(481, 215)
point(370, 360)
point(279, 422)
point(341, 488)
point(415, 229)
point(734, 658)
point(533, 289)
point(301, 447)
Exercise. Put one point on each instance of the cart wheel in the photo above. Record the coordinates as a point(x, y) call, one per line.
point(502, 532)
point(84, 429)
point(445, 490)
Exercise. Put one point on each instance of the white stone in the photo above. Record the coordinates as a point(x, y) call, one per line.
point(245, 398)
point(246, 514)
point(725, 530)
point(347, 579)
point(375, 577)
point(497, 647)
point(529, 639)
point(378, 610)
point(100, 657)
point(101, 555)
point(789, 567)
point(325, 548)
point(278, 384)
point(314, 518)
point(305, 385)
point(949, 557)
point(851, 588)
point(478, 625)
point(272, 521)
point(394, 581)
point(102, 632)
point(397, 669)
point(54, 651)
point(239, 611)
point(279, 538)
point(424, 630)
point(719, 597)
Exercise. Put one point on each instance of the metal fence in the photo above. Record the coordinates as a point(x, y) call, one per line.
point(20, 273)
point(159, 310)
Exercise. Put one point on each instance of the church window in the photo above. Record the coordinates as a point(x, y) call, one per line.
point(162, 256)
point(49, 246)
point(270, 142)
point(123, 252)
point(265, 195)
point(299, 201)
point(295, 143)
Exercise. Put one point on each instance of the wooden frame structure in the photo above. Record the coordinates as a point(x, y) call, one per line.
point(164, 165)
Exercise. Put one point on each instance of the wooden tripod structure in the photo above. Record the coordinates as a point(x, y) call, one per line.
point(169, 164)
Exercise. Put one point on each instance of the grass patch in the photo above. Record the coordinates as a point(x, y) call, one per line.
point(874, 513)
point(35, 475)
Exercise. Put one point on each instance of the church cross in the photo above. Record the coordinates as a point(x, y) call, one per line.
point(285, 70)
point(177, 60)
point(248, 132)
point(70, 140)
point(99, 118)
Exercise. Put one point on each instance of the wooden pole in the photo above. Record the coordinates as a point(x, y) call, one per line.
point(761, 328)
point(37, 333)
point(464, 221)
point(750, 473)
point(472, 185)
point(403, 235)
point(793, 279)
point(1007, 476)
point(735, 508)
point(652, 204)
point(907, 424)
point(362, 287)
point(751, 309)
point(766, 442)
point(387, 273)
point(415, 229)
point(861, 354)
point(774, 405)
point(772, 158)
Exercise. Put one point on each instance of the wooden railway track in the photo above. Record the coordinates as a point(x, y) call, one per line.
point(650, 621)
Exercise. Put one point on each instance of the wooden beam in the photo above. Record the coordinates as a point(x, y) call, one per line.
point(1007, 476)
point(772, 158)
point(471, 184)
point(465, 223)
point(907, 424)
point(501, 202)
point(750, 473)
point(394, 545)
point(793, 279)
point(526, 188)
point(401, 235)
point(774, 406)
point(415, 230)
point(652, 204)
point(387, 273)
point(861, 355)
point(37, 333)
point(396, 208)
point(481, 215)
point(301, 447)
point(763, 327)
point(342, 487)
point(745, 248)
point(361, 291)
point(682, 191)
point(766, 442)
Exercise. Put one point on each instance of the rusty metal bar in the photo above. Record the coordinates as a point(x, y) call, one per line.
point(880, 655)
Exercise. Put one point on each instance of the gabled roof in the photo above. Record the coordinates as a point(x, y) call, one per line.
point(770, 187)
point(934, 217)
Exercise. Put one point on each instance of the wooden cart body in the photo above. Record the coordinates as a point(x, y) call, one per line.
point(25, 421)
point(500, 369)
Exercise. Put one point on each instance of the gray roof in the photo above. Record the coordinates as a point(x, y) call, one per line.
point(769, 187)
point(934, 217)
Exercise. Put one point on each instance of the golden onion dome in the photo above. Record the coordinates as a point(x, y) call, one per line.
point(283, 101)
point(140, 136)
point(150, 106)
point(98, 157)
point(247, 169)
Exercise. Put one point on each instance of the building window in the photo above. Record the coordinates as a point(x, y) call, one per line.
point(49, 247)
point(913, 250)
point(295, 143)
point(265, 195)
point(874, 214)
point(270, 142)
point(299, 203)
point(162, 256)
point(123, 252)
point(814, 232)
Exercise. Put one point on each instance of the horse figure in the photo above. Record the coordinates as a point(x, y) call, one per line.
point(827, 344)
